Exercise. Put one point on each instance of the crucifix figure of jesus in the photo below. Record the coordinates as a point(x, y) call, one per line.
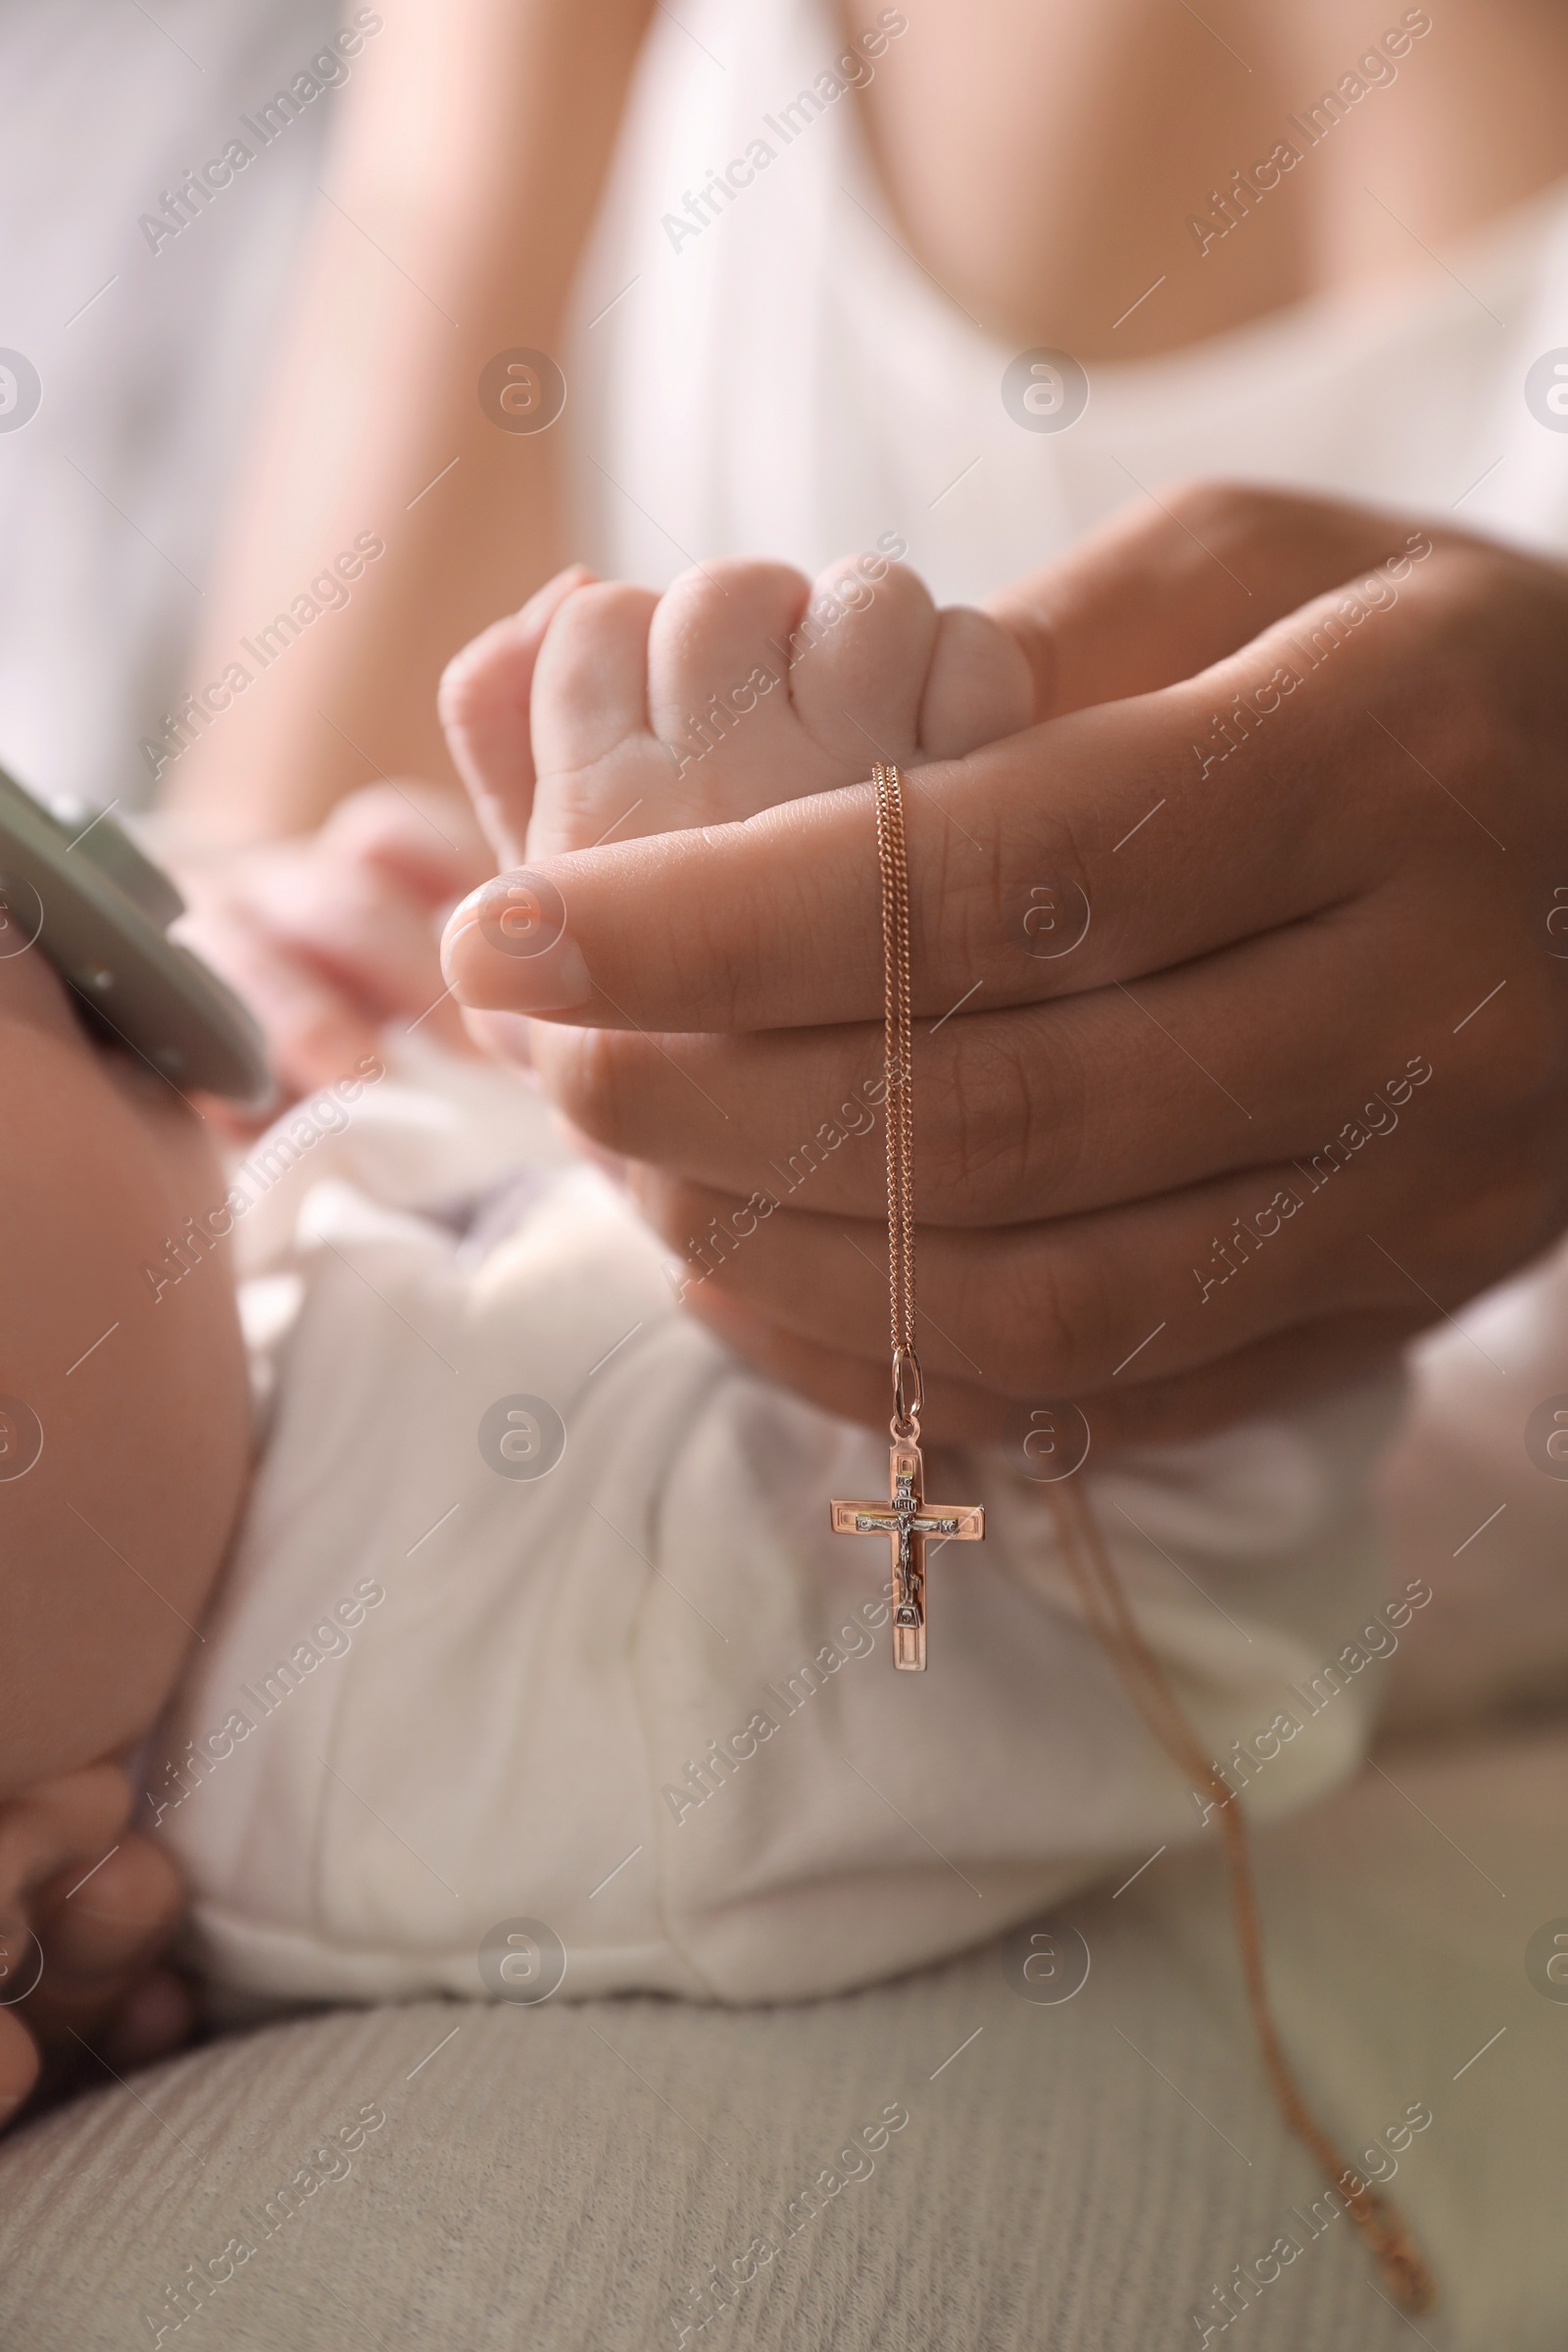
point(908, 1521)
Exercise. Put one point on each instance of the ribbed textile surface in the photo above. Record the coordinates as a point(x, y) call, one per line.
point(1079, 2175)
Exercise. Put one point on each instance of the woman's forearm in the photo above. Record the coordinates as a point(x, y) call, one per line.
point(475, 142)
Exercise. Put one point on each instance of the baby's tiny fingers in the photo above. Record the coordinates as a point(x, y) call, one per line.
point(19, 2064)
point(591, 684)
point(861, 670)
point(483, 703)
point(718, 657)
point(979, 686)
point(373, 940)
point(423, 839)
point(72, 1816)
point(100, 1926)
point(315, 1032)
point(96, 1925)
point(157, 2014)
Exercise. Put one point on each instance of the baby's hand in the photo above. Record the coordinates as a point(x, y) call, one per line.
point(332, 936)
point(603, 709)
point(85, 1906)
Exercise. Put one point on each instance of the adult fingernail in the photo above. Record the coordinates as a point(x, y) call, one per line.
point(507, 949)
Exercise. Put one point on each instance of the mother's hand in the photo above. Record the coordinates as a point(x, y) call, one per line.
point(1300, 1086)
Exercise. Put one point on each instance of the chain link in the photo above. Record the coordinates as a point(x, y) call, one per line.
point(898, 1053)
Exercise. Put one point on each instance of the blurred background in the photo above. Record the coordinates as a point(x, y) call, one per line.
point(760, 346)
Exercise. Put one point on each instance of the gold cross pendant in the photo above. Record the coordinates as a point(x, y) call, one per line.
point(908, 1522)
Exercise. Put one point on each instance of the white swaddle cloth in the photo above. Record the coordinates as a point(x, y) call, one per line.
point(645, 1698)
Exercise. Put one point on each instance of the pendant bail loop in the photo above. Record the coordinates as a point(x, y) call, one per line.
point(909, 1393)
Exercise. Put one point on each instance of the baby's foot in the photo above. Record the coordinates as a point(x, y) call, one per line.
point(84, 1907)
point(602, 710)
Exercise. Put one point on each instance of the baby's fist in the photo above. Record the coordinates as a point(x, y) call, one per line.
point(603, 709)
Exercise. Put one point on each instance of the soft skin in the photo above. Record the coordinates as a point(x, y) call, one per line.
point(109, 1542)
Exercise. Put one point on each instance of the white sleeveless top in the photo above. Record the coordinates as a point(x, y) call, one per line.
point(785, 379)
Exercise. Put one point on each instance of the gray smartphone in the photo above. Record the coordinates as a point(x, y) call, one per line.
point(76, 886)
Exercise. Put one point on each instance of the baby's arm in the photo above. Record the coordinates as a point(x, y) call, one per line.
point(123, 1444)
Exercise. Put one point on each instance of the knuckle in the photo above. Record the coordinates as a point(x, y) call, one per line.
point(1010, 1112)
point(968, 912)
point(905, 599)
point(1205, 499)
point(1206, 518)
point(591, 620)
point(709, 601)
point(717, 582)
point(1050, 1304)
point(845, 582)
point(1475, 654)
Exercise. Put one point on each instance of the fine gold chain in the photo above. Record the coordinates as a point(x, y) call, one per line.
point(908, 1520)
point(897, 1048)
point(1088, 1561)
